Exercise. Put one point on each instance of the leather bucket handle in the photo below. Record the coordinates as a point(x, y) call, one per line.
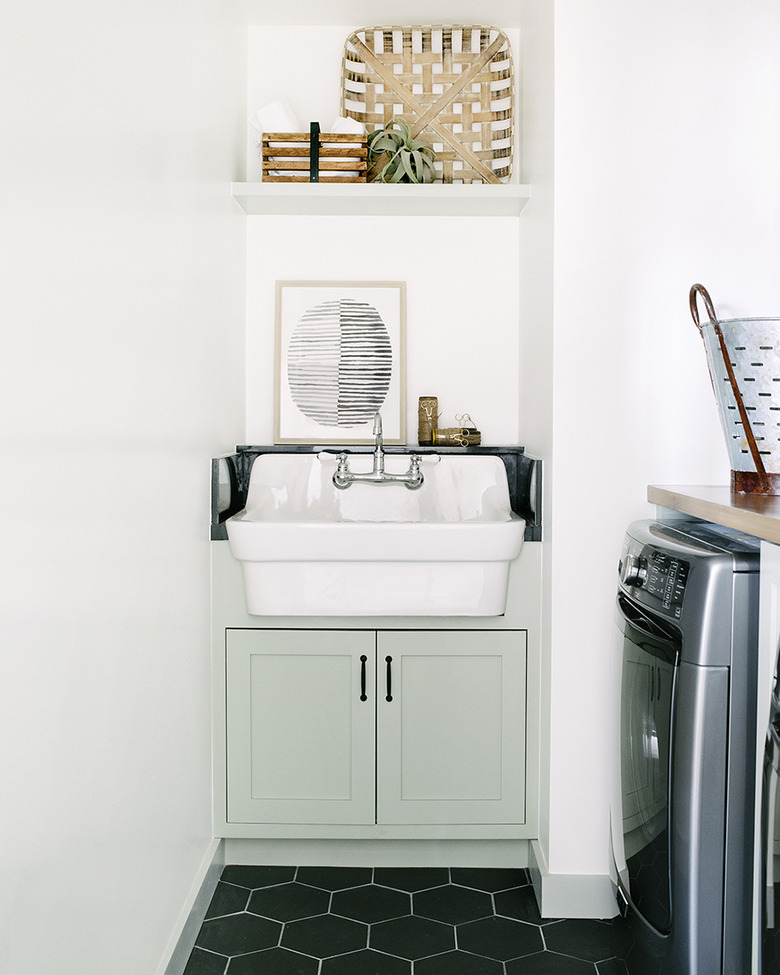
point(696, 291)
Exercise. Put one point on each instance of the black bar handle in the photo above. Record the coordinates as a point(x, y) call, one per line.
point(389, 662)
point(363, 659)
point(314, 152)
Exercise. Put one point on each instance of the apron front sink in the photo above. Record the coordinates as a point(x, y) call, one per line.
point(309, 549)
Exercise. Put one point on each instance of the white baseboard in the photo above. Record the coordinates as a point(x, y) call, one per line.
point(378, 853)
point(570, 895)
point(191, 917)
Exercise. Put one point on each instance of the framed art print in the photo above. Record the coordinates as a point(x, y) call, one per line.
point(340, 351)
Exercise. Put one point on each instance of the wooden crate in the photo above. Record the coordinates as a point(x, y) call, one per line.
point(453, 84)
point(287, 157)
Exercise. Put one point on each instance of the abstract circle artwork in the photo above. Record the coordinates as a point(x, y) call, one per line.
point(340, 363)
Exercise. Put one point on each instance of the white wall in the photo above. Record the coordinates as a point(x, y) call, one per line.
point(666, 162)
point(461, 274)
point(461, 298)
point(121, 258)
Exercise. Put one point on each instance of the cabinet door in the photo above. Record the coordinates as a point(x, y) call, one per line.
point(300, 731)
point(451, 741)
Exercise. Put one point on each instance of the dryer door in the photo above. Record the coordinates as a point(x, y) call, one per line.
point(651, 649)
point(770, 815)
point(770, 839)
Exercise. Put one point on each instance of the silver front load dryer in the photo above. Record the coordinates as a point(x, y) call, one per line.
point(682, 817)
point(770, 842)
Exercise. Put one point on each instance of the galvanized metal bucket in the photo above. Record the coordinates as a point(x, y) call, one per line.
point(743, 356)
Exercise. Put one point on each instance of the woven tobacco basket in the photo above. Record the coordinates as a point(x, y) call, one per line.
point(454, 84)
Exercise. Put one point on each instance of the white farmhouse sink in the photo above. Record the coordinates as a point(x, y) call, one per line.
point(309, 549)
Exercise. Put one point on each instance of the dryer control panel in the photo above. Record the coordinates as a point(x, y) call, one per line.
point(660, 578)
point(666, 579)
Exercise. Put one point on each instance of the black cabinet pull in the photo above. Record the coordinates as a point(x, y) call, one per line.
point(363, 659)
point(314, 152)
point(389, 662)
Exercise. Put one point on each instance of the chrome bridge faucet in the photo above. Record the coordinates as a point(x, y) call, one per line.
point(413, 478)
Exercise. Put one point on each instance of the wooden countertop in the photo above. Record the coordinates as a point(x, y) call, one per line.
point(753, 514)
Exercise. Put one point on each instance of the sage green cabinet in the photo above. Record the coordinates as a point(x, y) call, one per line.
point(451, 743)
point(300, 740)
point(376, 727)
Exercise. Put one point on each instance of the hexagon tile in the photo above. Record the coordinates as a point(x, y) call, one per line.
point(394, 921)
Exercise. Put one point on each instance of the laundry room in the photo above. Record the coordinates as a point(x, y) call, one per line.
point(140, 302)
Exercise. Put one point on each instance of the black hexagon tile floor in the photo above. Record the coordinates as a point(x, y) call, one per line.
point(394, 921)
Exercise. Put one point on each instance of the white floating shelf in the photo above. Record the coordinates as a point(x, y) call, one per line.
point(382, 200)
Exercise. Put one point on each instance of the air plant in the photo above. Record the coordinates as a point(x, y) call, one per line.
point(395, 157)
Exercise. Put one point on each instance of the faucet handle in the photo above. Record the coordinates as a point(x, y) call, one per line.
point(341, 476)
point(415, 476)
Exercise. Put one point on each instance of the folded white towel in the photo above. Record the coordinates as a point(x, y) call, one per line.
point(276, 116)
point(342, 124)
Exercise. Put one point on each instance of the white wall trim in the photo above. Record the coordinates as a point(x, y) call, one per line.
point(569, 895)
point(378, 853)
point(191, 916)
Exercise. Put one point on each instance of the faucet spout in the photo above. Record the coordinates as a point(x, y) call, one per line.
point(379, 454)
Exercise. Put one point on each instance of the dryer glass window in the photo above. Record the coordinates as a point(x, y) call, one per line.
point(650, 650)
